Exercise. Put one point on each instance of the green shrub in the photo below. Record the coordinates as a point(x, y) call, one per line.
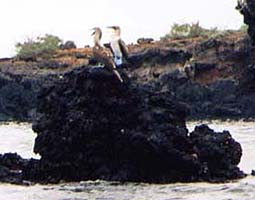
point(182, 31)
point(244, 28)
point(41, 46)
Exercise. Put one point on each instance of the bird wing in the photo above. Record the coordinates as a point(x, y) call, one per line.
point(108, 46)
point(123, 49)
point(104, 57)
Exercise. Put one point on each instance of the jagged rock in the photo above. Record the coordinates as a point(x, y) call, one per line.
point(17, 99)
point(218, 151)
point(215, 100)
point(68, 45)
point(18, 91)
point(195, 69)
point(11, 166)
point(106, 126)
point(204, 67)
point(247, 92)
point(159, 56)
point(247, 9)
point(92, 127)
point(247, 83)
point(157, 64)
point(145, 40)
point(51, 64)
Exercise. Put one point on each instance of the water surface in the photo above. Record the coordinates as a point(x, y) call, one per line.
point(19, 138)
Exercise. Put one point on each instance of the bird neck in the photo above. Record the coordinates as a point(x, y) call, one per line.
point(97, 37)
point(97, 45)
point(115, 37)
point(117, 32)
point(97, 42)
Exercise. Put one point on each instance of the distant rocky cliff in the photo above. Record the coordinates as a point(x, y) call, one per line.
point(219, 83)
point(21, 82)
point(19, 87)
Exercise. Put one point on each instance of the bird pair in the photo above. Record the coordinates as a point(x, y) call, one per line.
point(113, 56)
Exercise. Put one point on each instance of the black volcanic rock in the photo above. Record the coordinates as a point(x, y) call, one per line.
point(217, 100)
point(219, 152)
point(221, 81)
point(159, 56)
point(20, 83)
point(92, 127)
point(247, 9)
point(68, 45)
point(17, 97)
point(145, 40)
point(11, 167)
point(247, 83)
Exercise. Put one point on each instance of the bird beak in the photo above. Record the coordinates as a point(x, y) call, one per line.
point(94, 31)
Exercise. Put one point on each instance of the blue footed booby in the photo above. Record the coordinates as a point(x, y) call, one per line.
point(102, 55)
point(118, 46)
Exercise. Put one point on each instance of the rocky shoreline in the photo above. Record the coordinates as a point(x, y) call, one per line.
point(219, 85)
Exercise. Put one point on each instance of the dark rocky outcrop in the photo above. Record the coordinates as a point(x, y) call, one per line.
point(17, 97)
point(219, 153)
point(21, 81)
point(11, 168)
point(159, 56)
point(68, 45)
point(219, 84)
point(109, 129)
point(247, 85)
point(145, 40)
point(223, 99)
point(19, 90)
point(91, 127)
point(247, 9)
point(218, 100)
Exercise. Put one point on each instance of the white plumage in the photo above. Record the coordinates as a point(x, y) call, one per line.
point(118, 47)
point(116, 51)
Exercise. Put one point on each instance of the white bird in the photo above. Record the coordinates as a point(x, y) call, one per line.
point(118, 46)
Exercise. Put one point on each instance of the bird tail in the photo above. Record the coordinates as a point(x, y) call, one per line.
point(118, 75)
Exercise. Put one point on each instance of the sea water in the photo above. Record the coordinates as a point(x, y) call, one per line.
point(20, 138)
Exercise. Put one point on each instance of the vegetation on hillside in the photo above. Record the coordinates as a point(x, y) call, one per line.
point(41, 46)
point(186, 30)
point(244, 28)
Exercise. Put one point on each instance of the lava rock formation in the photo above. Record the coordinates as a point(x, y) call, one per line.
point(91, 127)
point(247, 9)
